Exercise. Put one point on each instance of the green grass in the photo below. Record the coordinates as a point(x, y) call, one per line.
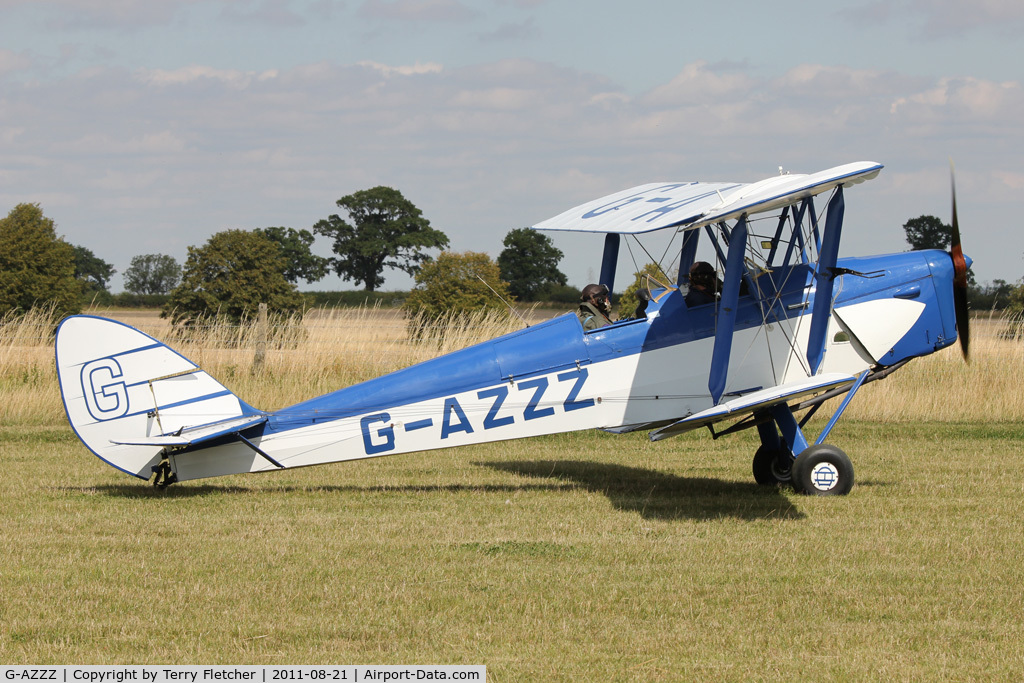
point(574, 557)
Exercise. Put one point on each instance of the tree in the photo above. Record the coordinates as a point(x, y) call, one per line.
point(387, 231)
point(451, 284)
point(1015, 311)
point(529, 264)
point(928, 232)
point(295, 247)
point(231, 275)
point(987, 297)
point(152, 274)
point(36, 266)
point(93, 272)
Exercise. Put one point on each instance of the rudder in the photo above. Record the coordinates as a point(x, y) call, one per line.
point(120, 384)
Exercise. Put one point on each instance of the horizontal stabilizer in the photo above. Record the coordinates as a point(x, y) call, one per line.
point(753, 401)
point(196, 435)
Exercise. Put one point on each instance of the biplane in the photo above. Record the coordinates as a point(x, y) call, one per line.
point(793, 326)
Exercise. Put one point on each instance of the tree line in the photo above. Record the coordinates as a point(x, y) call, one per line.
point(236, 270)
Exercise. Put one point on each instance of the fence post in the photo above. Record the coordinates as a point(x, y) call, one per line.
point(262, 332)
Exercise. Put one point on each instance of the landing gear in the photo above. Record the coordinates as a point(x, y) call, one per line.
point(822, 470)
point(772, 466)
point(163, 476)
point(819, 470)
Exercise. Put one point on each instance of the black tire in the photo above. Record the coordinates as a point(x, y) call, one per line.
point(768, 468)
point(823, 470)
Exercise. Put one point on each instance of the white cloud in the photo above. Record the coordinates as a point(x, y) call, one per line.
point(954, 17)
point(231, 77)
point(513, 32)
point(9, 134)
point(480, 149)
point(128, 15)
point(963, 102)
point(699, 83)
point(121, 183)
point(935, 19)
point(326, 10)
point(147, 144)
point(835, 82)
point(523, 4)
point(11, 62)
point(82, 14)
point(986, 99)
point(1010, 180)
point(495, 98)
point(404, 70)
point(416, 10)
point(609, 100)
point(273, 13)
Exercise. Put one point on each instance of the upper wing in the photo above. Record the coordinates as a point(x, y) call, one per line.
point(656, 206)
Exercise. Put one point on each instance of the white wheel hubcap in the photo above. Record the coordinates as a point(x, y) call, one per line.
point(825, 476)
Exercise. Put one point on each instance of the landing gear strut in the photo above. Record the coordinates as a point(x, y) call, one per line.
point(163, 475)
point(785, 456)
point(820, 469)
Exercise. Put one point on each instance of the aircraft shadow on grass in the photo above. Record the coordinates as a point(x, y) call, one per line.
point(650, 493)
point(187, 491)
point(659, 495)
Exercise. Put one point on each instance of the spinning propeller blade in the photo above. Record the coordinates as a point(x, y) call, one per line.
point(963, 324)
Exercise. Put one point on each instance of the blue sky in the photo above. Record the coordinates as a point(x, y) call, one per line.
point(145, 126)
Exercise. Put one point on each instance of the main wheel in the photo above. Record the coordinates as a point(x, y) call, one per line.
point(769, 469)
point(822, 470)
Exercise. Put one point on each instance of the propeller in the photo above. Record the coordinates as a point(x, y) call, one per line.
point(963, 323)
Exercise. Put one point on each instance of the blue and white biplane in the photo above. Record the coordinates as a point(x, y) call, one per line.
point(793, 326)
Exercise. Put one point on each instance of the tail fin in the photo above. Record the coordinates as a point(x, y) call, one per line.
point(125, 392)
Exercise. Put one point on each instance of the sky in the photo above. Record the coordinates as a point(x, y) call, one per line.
point(146, 126)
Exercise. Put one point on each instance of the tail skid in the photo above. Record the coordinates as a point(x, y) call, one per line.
point(129, 396)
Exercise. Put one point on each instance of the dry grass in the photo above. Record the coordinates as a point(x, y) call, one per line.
point(28, 376)
point(327, 349)
point(332, 348)
point(573, 557)
point(943, 388)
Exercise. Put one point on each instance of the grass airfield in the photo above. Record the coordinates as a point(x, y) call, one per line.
point(574, 557)
point(580, 556)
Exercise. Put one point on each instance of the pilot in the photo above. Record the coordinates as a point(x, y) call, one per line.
point(704, 284)
point(595, 309)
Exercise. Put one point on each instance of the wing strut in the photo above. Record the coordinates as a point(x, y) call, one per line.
point(727, 310)
point(824, 280)
point(611, 257)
